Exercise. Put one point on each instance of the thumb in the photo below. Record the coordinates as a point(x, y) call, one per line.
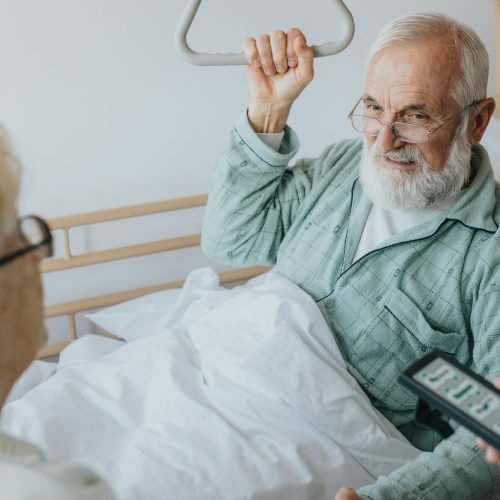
point(305, 58)
point(346, 494)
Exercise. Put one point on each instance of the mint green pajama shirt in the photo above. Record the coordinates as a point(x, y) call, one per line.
point(436, 285)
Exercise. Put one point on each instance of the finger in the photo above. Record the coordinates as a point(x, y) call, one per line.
point(292, 34)
point(346, 494)
point(278, 48)
point(305, 58)
point(492, 455)
point(250, 50)
point(496, 382)
point(265, 53)
point(481, 443)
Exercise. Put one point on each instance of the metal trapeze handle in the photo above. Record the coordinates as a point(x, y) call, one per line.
point(231, 58)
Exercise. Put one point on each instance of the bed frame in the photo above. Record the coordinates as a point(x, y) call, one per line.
point(65, 224)
point(70, 261)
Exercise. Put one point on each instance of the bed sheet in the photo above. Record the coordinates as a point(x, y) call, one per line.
point(34, 375)
point(241, 394)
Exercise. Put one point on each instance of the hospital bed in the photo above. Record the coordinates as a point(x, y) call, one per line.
point(68, 261)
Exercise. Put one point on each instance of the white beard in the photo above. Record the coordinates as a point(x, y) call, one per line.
point(393, 188)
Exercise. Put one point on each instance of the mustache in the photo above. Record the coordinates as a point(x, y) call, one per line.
point(405, 154)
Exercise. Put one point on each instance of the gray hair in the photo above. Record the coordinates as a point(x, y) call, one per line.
point(9, 187)
point(472, 79)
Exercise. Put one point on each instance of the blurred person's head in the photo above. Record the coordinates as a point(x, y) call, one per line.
point(22, 330)
point(424, 106)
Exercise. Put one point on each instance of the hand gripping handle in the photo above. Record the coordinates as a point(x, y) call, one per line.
point(205, 59)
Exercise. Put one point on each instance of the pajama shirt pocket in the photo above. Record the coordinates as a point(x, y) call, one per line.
point(396, 337)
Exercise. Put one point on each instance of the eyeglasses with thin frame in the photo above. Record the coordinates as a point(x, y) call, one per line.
point(36, 232)
point(407, 132)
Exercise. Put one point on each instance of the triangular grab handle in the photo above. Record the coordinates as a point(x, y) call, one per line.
point(228, 59)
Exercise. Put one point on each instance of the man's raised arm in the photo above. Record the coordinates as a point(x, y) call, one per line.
point(252, 201)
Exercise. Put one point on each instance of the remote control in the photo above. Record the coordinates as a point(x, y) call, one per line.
point(445, 386)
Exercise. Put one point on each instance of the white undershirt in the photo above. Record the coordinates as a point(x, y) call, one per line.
point(381, 224)
point(273, 140)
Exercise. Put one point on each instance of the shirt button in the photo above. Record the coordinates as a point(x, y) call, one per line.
point(329, 303)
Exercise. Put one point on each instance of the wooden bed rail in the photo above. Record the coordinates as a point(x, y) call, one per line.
point(69, 261)
point(112, 214)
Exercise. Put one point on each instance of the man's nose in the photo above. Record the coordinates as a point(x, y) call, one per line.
point(387, 140)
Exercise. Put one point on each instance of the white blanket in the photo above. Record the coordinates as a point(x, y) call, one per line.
point(243, 394)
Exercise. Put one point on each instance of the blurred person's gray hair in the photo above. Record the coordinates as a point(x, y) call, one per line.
point(9, 187)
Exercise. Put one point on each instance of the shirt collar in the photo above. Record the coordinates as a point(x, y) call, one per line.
point(477, 205)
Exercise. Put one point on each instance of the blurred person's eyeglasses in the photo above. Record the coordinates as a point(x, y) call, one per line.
point(36, 233)
point(415, 128)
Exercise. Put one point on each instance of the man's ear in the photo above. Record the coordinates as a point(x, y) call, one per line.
point(480, 120)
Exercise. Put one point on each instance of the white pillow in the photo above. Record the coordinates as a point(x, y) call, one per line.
point(491, 141)
point(152, 314)
point(128, 319)
point(88, 348)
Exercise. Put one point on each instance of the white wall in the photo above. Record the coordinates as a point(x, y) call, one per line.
point(104, 113)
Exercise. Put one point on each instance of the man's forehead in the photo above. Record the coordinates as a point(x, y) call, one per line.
point(401, 78)
point(417, 105)
point(428, 62)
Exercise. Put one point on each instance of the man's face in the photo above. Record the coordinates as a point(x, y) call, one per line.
point(21, 311)
point(412, 83)
point(414, 80)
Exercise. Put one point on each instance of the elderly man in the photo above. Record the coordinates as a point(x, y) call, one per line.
point(395, 236)
point(24, 472)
